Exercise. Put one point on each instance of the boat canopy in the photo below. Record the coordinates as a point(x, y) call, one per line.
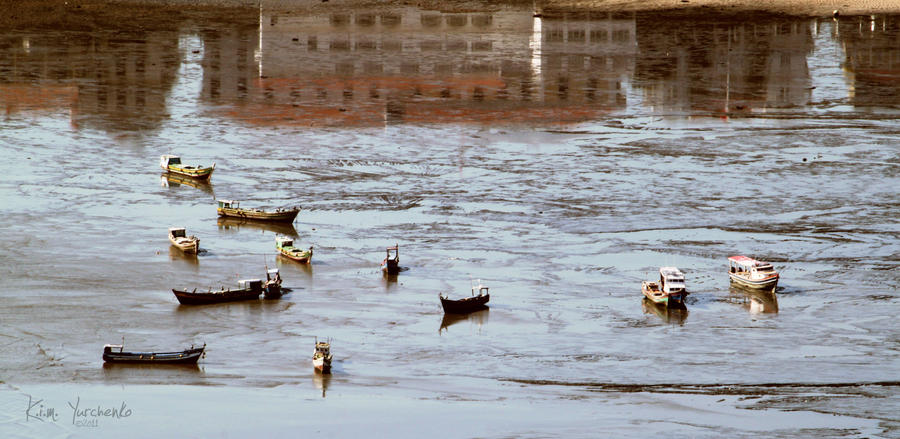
point(744, 261)
point(284, 242)
point(480, 289)
point(169, 159)
point(250, 283)
point(230, 204)
point(178, 232)
point(273, 271)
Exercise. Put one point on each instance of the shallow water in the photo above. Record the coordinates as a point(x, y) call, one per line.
point(559, 159)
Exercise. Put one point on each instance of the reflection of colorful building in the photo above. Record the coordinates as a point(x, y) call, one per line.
point(419, 66)
point(118, 81)
point(722, 63)
point(872, 49)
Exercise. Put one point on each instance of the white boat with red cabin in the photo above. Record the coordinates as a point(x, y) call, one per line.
point(749, 272)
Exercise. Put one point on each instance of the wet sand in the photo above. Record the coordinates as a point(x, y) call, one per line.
point(561, 160)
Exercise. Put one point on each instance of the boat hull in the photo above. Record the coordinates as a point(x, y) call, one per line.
point(259, 215)
point(186, 245)
point(652, 292)
point(322, 365)
point(768, 283)
point(390, 266)
point(272, 290)
point(209, 297)
point(187, 356)
point(466, 305)
point(196, 173)
point(302, 257)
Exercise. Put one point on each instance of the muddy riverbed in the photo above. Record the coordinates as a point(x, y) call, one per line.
point(560, 160)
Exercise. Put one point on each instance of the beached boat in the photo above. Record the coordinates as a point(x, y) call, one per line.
point(322, 357)
point(750, 273)
point(248, 289)
point(285, 247)
point(669, 290)
point(188, 244)
point(172, 163)
point(467, 304)
point(272, 287)
point(391, 263)
point(233, 209)
point(115, 353)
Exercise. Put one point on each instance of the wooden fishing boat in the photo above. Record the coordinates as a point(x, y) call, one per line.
point(750, 273)
point(233, 209)
point(272, 287)
point(172, 163)
point(115, 353)
point(467, 304)
point(188, 244)
point(391, 263)
point(249, 289)
point(285, 247)
point(322, 357)
point(669, 290)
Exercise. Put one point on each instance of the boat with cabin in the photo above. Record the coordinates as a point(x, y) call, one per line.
point(115, 353)
point(248, 289)
point(172, 163)
point(179, 238)
point(467, 304)
point(748, 272)
point(669, 290)
point(391, 263)
point(285, 247)
point(233, 209)
point(272, 287)
point(322, 356)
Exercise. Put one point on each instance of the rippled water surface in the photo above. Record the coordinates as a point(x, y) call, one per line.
point(561, 159)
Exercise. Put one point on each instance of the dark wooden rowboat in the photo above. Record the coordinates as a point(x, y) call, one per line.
point(467, 304)
point(250, 289)
point(187, 356)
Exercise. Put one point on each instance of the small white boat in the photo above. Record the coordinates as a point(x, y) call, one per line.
point(188, 244)
point(749, 272)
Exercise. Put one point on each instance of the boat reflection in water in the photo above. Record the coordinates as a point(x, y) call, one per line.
point(175, 254)
point(120, 373)
point(669, 314)
point(235, 224)
point(175, 180)
point(756, 301)
point(478, 318)
point(321, 381)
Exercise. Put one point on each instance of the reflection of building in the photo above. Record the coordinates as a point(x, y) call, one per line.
point(722, 63)
point(586, 57)
point(119, 81)
point(872, 48)
point(419, 65)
